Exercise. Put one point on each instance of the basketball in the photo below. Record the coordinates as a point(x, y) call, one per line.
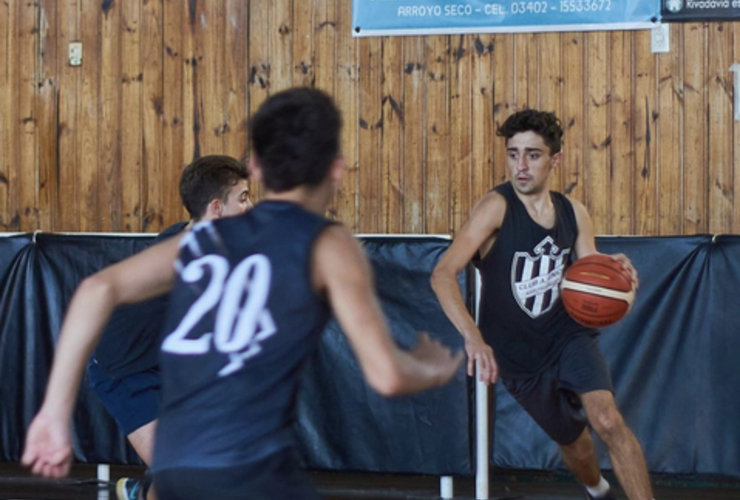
point(597, 291)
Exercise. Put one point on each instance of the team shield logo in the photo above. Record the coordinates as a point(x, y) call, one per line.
point(536, 277)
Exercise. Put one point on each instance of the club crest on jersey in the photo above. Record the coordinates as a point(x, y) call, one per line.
point(536, 277)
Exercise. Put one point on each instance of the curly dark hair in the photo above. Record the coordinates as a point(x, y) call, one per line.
point(208, 178)
point(542, 123)
point(295, 137)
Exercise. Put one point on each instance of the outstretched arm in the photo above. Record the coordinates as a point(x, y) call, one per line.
point(476, 235)
point(48, 448)
point(341, 269)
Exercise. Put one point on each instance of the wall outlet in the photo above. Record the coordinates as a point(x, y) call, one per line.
point(75, 53)
point(660, 38)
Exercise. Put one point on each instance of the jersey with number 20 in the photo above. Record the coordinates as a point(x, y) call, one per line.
point(243, 317)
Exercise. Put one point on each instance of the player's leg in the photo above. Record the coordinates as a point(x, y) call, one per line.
point(624, 449)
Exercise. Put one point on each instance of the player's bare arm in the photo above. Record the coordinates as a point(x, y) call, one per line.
point(477, 235)
point(586, 241)
point(343, 272)
point(48, 449)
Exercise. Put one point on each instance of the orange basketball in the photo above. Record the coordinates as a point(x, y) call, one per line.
point(597, 291)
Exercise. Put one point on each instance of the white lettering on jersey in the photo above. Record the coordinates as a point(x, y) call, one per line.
point(535, 279)
point(242, 318)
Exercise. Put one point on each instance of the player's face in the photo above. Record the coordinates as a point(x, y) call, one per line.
point(237, 201)
point(530, 162)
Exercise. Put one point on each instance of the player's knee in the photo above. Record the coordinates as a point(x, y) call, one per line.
point(608, 424)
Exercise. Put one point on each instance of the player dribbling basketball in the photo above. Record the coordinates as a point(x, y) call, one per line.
point(521, 236)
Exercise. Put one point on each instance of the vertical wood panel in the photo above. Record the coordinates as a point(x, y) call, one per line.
point(11, 119)
point(550, 84)
point(572, 117)
point(6, 98)
point(175, 154)
point(235, 138)
point(370, 124)
point(210, 52)
point(282, 35)
point(303, 27)
point(392, 137)
point(504, 104)
point(436, 173)
point(484, 111)
point(27, 186)
point(460, 134)
point(414, 71)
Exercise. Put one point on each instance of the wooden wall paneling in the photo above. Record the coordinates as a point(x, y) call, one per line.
point(111, 86)
point(303, 43)
point(719, 100)
point(132, 187)
point(27, 173)
point(211, 93)
point(550, 83)
point(236, 64)
point(68, 206)
point(325, 37)
point(9, 193)
point(92, 208)
point(7, 87)
point(694, 137)
point(282, 38)
point(526, 69)
point(391, 148)
point(46, 115)
point(191, 128)
point(152, 42)
point(668, 134)
point(597, 152)
point(460, 131)
point(572, 116)
point(644, 92)
point(504, 104)
point(259, 65)
point(346, 95)
point(483, 93)
point(370, 123)
point(436, 173)
point(414, 70)
point(176, 151)
point(621, 127)
point(736, 136)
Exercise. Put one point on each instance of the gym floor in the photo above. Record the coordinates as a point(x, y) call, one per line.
point(17, 484)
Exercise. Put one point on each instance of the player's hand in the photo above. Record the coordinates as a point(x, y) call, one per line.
point(48, 450)
point(438, 357)
point(627, 265)
point(479, 351)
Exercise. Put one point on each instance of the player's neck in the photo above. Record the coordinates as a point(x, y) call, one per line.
point(312, 199)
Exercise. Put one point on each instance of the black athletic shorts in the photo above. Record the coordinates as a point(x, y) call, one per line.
point(276, 477)
point(552, 397)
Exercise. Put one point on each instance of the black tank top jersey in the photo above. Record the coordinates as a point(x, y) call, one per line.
point(243, 318)
point(521, 316)
point(130, 341)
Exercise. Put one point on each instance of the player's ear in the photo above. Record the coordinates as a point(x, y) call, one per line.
point(214, 210)
point(557, 158)
point(255, 169)
point(336, 170)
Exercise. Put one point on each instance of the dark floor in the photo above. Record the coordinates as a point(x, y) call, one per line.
point(16, 484)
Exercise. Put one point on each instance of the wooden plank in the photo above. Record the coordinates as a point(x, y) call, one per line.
point(736, 139)
point(668, 134)
point(67, 128)
point(210, 55)
point(6, 98)
point(303, 43)
point(152, 115)
point(236, 32)
point(46, 116)
point(460, 131)
point(621, 127)
point(191, 125)
point(695, 169)
point(259, 66)
point(174, 155)
point(282, 37)
point(487, 84)
point(370, 123)
point(436, 186)
point(504, 104)
point(526, 70)
point(131, 118)
point(550, 84)
point(645, 90)
point(391, 149)
point(598, 139)
point(26, 192)
point(91, 210)
point(413, 134)
point(573, 180)
point(325, 38)
point(720, 109)
point(109, 179)
point(346, 93)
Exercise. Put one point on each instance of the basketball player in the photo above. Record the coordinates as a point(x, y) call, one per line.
point(551, 365)
point(249, 299)
point(124, 370)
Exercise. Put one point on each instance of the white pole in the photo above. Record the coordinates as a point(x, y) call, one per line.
point(735, 68)
point(103, 472)
point(446, 487)
point(481, 417)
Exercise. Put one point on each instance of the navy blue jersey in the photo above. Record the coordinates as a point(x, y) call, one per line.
point(243, 318)
point(130, 341)
point(521, 315)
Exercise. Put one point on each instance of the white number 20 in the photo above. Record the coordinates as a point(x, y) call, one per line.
point(242, 319)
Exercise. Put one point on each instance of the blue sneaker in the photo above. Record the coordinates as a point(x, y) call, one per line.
point(128, 488)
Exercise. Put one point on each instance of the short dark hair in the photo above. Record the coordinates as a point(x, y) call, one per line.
point(542, 123)
point(295, 137)
point(208, 178)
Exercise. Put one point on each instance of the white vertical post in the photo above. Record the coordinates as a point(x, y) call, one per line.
point(446, 487)
point(735, 68)
point(103, 472)
point(481, 417)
